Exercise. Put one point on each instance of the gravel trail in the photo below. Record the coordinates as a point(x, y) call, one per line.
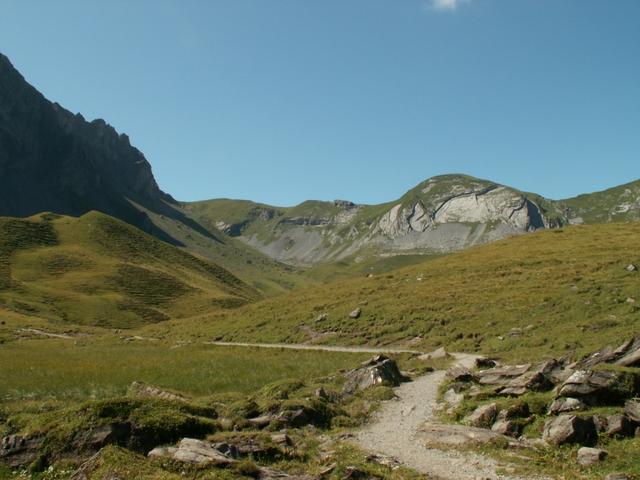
point(323, 348)
point(394, 427)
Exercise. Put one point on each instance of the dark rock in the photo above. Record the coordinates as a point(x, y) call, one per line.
point(380, 370)
point(17, 451)
point(569, 429)
point(460, 374)
point(482, 362)
point(590, 456)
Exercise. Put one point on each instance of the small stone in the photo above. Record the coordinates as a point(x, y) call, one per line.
point(356, 313)
point(632, 268)
point(590, 456)
point(617, 476)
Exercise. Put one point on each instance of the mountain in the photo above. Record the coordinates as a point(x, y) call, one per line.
point(96, 270)
point(54, 161)
point(440, 215)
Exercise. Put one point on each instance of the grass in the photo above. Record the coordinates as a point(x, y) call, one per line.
point(100, 368)
point(537, 295)
point(95, 270)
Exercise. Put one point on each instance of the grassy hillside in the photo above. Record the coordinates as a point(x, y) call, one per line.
point(544, 293)
point(618, 204)
point(96, 270)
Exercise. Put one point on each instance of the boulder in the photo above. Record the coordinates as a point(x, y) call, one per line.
point(483, 416)
point(618, 476)
point(18, 450)
point(506, 427)
point(598, 387)
point(190, 450)
point(380, 370)
point(590, 456)
point(356, 313)
point(570, 429)
point(563, 405)
point(632, 268)
point(619, 426)
point(632, 410)
point(527, 382)
point(452, 398)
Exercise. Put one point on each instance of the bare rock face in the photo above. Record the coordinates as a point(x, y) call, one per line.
point(380, 370)
point(590, 456)
point(16, 450)
point(52, 160)
point(569, 429)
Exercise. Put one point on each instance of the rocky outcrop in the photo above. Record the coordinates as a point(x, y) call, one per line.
point(380, 370)
point(54, 161)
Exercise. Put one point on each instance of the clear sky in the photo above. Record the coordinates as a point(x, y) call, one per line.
point(284, 100)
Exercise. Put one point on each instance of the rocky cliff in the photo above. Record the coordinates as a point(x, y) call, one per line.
point(53, 160)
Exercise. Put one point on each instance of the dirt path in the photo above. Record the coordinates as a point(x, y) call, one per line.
point(394, 428)
point(324, 348)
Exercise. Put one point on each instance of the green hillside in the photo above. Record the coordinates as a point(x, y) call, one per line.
point(96, 270)
point(617, 204)
point(543, 293)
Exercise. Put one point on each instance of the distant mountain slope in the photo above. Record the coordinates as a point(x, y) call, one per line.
point(618, 204)
point(542, 293)
point(96, 270)
point(439, 215)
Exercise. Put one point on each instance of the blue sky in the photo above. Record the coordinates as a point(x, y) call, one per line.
point(284, 100)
